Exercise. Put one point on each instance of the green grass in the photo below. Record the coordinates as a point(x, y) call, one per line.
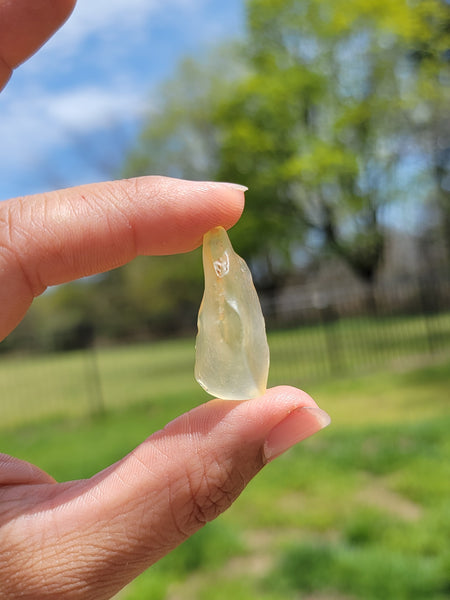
point(360, 511)
point(79, 383)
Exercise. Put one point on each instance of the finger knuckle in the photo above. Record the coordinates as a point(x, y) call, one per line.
point(210, 489)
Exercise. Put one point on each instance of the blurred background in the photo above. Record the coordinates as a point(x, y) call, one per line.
point(336, 116)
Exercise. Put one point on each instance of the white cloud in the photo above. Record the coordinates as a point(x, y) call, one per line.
point(97, 71)
point(36, 114)
point(89, 108)
point(113, 18)
point(30, 129)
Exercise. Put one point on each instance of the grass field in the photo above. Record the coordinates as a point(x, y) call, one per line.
point(360, 511)
point(34, 388)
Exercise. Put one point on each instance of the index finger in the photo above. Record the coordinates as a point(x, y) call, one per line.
point(52, 238)
point(24, 26)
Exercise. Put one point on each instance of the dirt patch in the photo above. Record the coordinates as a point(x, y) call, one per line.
point(328, 597)
point(293, 502)
point(379, 496)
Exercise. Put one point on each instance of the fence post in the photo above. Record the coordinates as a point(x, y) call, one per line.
point(93, 382)
point(428, 309)
point(328, 318)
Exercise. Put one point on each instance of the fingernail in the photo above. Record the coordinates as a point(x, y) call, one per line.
point(235, 186)
point(300, 424)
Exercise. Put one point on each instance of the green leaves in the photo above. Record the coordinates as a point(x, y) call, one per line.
point(321, 164)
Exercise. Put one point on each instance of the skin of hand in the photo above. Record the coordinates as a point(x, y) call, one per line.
point(87, 539)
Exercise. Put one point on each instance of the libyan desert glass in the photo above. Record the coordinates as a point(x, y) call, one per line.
point(232, 355)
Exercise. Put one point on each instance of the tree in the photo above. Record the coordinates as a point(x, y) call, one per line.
point(317, 112)
point(320, 129)
point(181, 137)
point(429, 114)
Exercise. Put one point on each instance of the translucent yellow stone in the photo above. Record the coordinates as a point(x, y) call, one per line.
point(232, 354)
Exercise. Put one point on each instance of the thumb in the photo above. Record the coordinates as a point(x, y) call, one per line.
point(137, 510)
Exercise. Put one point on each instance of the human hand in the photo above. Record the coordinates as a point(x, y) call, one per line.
point(86, 539)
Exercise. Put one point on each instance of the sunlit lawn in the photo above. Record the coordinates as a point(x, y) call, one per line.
point(362, 510)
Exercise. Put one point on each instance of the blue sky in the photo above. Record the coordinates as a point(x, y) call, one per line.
point(100, 72)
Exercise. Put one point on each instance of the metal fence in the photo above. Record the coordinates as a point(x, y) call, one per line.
point(311, 335)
